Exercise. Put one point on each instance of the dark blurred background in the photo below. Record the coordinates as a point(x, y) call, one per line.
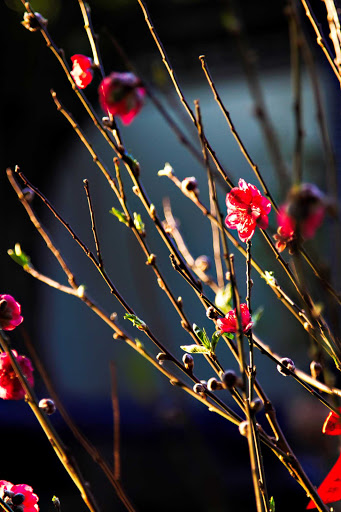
point(175, 454)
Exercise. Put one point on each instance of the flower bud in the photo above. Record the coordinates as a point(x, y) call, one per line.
point(243, 428)
point(34, 22)
point(47, 405)
point(211, 313)
point(203, 263)
point(28, 194)
point(198, 388)
point(190, 186)
point(188, 362)
point(229, 379)
point(315, 369)
point(161, 357)
point(214, 385)
point(256, 405)
point(287, 363)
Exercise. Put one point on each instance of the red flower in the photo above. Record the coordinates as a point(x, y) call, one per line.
point(301, 215)
point(229, 323)
point(285, 231)
point(20, 494)
point(332, 424)
point(10, 311)
point(82, 71)
point(330, 489)
point(121, 94)
point(10, 386)
point(246, 209)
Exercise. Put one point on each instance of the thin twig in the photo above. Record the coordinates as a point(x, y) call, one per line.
point(116, 413)
point(93, 224)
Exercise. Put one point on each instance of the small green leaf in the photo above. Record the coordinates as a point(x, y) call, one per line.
point(272, 504)
point(269, 278)
point(256, 316)
point(136, 321)
point(19, 256)
point(228, 335)
point(223, 298)
point(195, 349)
point(139, 344)
point(120, 215)
point(215, 338)
point(138, 222)
point(201, 334)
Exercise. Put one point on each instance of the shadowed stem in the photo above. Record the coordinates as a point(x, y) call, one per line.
point(60, 450)
point(319, 38)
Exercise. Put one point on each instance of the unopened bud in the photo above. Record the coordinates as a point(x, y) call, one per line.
point(213, 384)
point(190, 186)
point(47, 405)
point(152, 212)
point(203, 263)
point(289, 366)
point(161, 283)
point(161, 357)
point(34, 22)
point(198, 388)
point(108, 123)
point(188, 361)
point(151, 259)
point(315, 369)
point(136, 190)
point(28, 194)
point(166, 171)
point(256, 405)
point(179, 301)
point(229, 379)
point(211, 313)
point(244, 428)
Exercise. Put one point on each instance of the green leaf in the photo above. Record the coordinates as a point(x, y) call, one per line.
point(272, 504)
point(269, 278)
point(19, 256)
point(137, 322)
point(215, 338)
point(223, 298)
point(138, 222)
point(256, 316)
point(228, 335)
point(201, 334)
point(120, 215)
point(139, 344)
point(195, 349)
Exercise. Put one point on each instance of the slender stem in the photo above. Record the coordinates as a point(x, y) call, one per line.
point(93, 38)
point(93, 224)
point(116, 413)
point(295, 51)
point(60, 450)
point(234, 132)
point(320, 39)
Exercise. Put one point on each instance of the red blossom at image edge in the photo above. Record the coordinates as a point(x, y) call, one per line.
point(332, 424)
point(246, 209)
point(10, 386)
point(10, 313)
point(330, 489)
point(229, 323)
point(82, 71)
point(122, 95)
point(9, 490)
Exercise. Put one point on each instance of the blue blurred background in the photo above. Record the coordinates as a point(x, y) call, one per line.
point(175, 454)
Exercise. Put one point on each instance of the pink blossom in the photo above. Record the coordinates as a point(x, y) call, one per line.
point(285, 231)
point(82, 71)
point(121, 94)
point(10, 386)
point(229, 323)
point(10, 311)
point(19, 495)
point(246, 209)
